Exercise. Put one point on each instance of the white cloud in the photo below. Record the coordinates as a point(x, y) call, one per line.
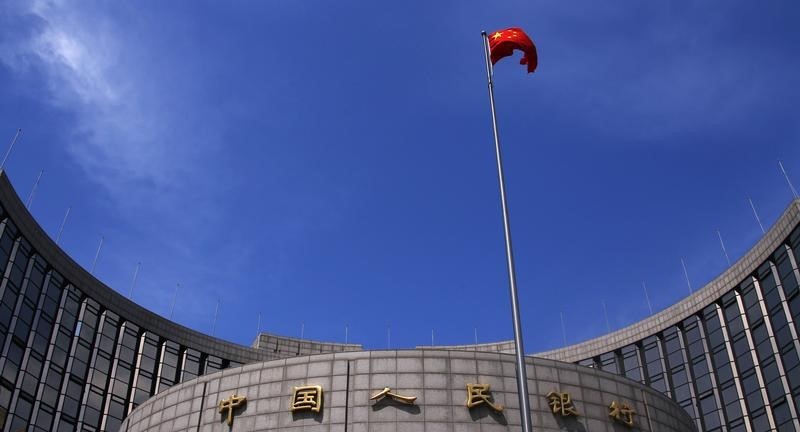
point(137, 132)
point(122, 128)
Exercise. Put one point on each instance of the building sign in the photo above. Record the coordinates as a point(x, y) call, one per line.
point(561, 404)
point(408, 400)
point(307, 398)
point(478, 394)
point(310, 397)
point(621, 412)
point(230, 404)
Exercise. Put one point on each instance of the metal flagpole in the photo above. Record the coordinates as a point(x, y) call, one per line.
point(686, 274)
point(133, 283)
point(97, 255)
point(33, 190)
point(755, 213)
point(647, 297)
point(563, 329)
point(174, 298)
point(786, 176)
point(605, 314)
point(214, 322)
point(724, 251)
point(63, 222)
point(522, 378)
point(11, 147)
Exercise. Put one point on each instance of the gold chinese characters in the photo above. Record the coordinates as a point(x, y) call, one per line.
point(307, 398)
point(408, 400)
point(621, 412)
point(229, 404)
point(478, 394)
point(310, 397)
point(561, 403)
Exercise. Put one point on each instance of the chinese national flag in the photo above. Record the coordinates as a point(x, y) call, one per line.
point(502, 43)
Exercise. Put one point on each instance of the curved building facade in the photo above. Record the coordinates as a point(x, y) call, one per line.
point(729, 354)
point(432, 390)
point(76, 355)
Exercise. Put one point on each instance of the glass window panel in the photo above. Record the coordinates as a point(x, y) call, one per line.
point(608, 363)
point(761, 422)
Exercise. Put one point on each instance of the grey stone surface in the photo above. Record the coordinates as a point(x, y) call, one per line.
point(438, 379)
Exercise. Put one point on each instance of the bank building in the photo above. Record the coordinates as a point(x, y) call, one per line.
point(75, 355)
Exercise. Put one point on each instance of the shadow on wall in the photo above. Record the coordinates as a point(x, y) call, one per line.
point(305, 414)
point(570, 424)
point(383, 403)
point(483, 411)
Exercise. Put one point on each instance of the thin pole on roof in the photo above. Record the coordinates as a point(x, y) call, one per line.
point(605, 312)
point(174, 298)
point(647, 297)
point(133, 282)
point(33, 190)
point(755, 213)
point(302, 330)
point(563, 329)
point(724, 251)
point(432, 343)
point(63, 222)
point(214, 322)
point(686, 275)
point(476, 335)
point(259, 324)
point(97, 255)
point(10, 147)
point(789, 182)
point(346, 328)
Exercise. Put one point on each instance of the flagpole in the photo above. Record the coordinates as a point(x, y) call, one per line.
point(522, 378)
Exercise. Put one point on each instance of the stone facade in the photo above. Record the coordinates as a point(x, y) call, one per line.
point(438, 378)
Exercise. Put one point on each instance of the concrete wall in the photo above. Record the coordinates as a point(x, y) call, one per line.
point(275, 347)
point(437, 377)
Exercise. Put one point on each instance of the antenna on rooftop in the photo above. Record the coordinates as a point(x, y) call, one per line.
point(10, 147)
point(647, 297)
point(686, 275)
point(258, 329)
point(302, 329)
point(214, 322)
point(476, 335)
point(432, 344)
point(346, 328)
point(63, 222)
point(794, 191)
point(97, 255)
point(133, 282)
point(33, 190)
point(174, 298)
point(724, 251)
point(605, 313)
point(563, 329)
point(758, 219)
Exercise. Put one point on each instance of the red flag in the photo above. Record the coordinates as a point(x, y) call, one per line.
point(502, 43)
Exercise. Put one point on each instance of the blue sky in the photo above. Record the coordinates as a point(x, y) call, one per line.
point(331, 163)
